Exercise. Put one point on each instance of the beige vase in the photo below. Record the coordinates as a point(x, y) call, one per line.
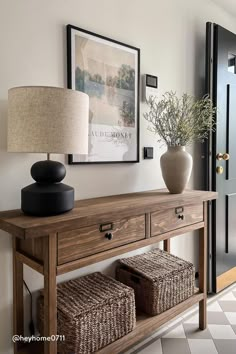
point(176, 167)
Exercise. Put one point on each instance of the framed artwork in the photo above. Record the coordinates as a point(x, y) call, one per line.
point(108, 71)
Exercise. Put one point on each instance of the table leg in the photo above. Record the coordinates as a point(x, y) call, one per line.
point(167, 245)
point(203, 271)
point(18, 296)
point(50, 293)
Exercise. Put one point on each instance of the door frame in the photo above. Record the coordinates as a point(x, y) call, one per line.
point(215, 284)
point(210, 152)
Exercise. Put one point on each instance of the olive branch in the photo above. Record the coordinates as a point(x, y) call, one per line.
point(180, 121)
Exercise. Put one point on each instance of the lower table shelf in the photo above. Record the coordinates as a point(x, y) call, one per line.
point(145, 325)
point(148, 324)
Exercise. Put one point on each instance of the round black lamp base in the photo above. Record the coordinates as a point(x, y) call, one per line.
point(46, 200)
point(47, 196)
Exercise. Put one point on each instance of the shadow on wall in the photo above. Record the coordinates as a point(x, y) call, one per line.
point(3, 125)
point(5, 253)
point(5, 292)
point(8, 174)
point(196, 82)
point(199, 89)
point(199, 148)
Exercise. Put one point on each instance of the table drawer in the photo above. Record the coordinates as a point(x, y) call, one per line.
point(175, 218)
point(90, 240)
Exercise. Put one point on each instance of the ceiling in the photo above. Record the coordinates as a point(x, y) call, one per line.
point(228, 5)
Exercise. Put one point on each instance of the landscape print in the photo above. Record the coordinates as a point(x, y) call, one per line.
point(108, 73)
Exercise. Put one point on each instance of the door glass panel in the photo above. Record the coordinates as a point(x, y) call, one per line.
point(231, 63)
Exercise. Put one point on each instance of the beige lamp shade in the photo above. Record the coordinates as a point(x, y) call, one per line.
point(47, 120)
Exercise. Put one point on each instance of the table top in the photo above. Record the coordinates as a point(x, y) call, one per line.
point(97, 210)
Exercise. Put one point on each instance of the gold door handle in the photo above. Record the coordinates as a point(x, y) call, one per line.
point(221, 156)
point(219, 170)
point(226, 157)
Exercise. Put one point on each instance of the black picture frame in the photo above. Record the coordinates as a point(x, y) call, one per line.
point(134, 111)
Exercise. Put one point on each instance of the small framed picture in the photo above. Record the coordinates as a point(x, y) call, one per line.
point(109, 72)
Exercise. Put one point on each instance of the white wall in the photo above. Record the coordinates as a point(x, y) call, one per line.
point(171, 36)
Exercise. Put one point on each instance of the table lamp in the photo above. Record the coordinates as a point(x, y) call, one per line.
point(47, 120)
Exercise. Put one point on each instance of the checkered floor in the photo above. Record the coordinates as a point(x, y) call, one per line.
point(183, 336)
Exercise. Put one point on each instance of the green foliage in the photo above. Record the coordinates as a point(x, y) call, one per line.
point(127, 113)
point(97, 78)
point(93, 85)
point(180, 121)
point(125, 79)
point(79, 79)
point(111, 81)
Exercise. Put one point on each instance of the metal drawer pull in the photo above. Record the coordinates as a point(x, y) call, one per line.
point(106, 227)
point(179, 210)
point(181, 217)
point(109, 236)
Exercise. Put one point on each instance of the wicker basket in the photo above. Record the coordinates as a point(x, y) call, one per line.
point(159, 279)
point(92, 312)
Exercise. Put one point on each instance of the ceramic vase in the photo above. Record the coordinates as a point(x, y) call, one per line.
point(176, 167)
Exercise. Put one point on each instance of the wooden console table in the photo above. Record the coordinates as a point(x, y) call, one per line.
point(98, 229)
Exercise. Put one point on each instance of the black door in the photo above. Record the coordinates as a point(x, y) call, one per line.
point(221, 84)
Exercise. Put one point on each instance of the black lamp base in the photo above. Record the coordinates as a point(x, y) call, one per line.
point(45, 200)
point(47, 196)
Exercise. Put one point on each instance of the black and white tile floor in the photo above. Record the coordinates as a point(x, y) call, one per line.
point(182, 335)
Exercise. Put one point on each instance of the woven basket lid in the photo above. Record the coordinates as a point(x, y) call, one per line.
point(84, 294)
point(156, 265)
